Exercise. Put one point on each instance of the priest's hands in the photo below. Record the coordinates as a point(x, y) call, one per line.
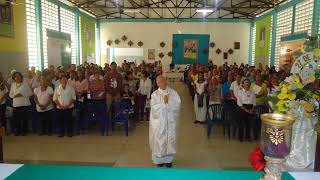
point(166, 99)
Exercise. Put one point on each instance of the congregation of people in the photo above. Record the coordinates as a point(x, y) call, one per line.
point(239, 88)
point(73, 100)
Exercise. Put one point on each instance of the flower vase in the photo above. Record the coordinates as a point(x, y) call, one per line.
point(275, 143)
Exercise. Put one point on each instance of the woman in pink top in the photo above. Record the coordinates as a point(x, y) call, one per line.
point(81, 87)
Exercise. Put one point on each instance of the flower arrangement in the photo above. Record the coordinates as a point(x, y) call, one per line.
point(297, 90)
point(256, 159)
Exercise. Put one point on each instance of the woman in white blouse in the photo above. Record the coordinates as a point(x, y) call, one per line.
point(200, 102)
point(20, 93)
point(246, 101)
point(144, 93)
point(44, 105)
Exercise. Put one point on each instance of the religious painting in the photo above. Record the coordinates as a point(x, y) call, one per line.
point(6, 19)
point(262, 36)
point(190, 48)
point(151, 54)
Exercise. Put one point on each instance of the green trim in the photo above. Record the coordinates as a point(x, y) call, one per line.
point(294, 37)
point(39, 34)
point(279, 8)
point(293, 18)
point(316, 18)
point(59, 18)
point(174, 20)
point(98, 50)
point(251, 43)
point(70, 8)
point(77, 39)
point(273, 40)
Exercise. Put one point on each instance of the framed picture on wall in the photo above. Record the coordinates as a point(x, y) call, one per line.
point(190, 48)
point(6, 19)
point(225, 55)
point(151, 54)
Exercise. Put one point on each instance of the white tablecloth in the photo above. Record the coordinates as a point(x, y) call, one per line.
point(174, 75)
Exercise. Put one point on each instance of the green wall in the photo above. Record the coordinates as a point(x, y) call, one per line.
point(262, 49)
point(18, 42)
point(88, 37)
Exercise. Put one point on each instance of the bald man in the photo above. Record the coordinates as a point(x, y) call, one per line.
point(164, 114)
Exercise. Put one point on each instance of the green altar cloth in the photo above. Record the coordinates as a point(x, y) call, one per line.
point(54, 172)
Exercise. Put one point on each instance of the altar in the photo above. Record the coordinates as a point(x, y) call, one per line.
point(53, 172)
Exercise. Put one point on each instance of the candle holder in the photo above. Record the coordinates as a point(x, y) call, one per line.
point(275, 143)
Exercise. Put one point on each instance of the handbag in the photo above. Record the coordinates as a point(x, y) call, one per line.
point(200, 101)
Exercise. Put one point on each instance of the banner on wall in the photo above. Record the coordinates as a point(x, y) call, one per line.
point(190, 48)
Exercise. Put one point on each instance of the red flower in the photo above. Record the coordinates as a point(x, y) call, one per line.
point(256, 158)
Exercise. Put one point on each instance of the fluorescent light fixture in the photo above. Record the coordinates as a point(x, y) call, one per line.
point(205, 11)
point(131, 10)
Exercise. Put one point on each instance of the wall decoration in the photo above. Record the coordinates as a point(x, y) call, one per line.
point(206, 51)
point(225, 55)
point(212, 44)
point(162, 44)
point(117, 41)
point(190, 48)
point(262, 36)
point(140, 43)
point(88, 38)
point(124, 38)
point(169, 54)
point(230, 51)
point(109, 42)
point(151, 54)
point(236, 45)
point(130, 43)
point(174, 44)
point(218, 51)
point(6, 19)
point(161, 55)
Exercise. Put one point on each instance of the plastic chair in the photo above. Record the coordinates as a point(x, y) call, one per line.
point(228, 119)
point(214, 115)
point(120, 116)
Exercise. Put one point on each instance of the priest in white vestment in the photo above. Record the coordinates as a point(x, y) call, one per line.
point(164, 114)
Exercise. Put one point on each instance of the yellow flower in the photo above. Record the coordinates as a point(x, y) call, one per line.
point(316, 97)
point(316, 52)
point(281, 105)
point(282, 95)
point(291, 96)
point(311, 78)
point(307, 106)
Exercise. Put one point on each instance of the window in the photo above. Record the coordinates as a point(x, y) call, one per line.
point(253, 54)
point(303, 19)
point(68, 26)
point(31, 34)
point(270, 44)
point(50, 20)
point(284, 22)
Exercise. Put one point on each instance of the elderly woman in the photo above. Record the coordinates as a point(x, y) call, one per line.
point(20, 93)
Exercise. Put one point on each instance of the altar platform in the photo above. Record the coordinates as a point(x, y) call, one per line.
point(53, 172)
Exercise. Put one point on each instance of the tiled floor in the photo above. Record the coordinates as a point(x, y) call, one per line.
point(194, 149)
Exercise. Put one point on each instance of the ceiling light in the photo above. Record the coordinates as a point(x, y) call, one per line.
point(131, 10)
point(204, 11)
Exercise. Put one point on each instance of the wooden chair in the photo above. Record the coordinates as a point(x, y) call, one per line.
point(214, 115)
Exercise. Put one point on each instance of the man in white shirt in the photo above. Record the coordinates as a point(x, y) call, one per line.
point(235, 87)
point(44, 105)
point(246, 101)
point(64, 97)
